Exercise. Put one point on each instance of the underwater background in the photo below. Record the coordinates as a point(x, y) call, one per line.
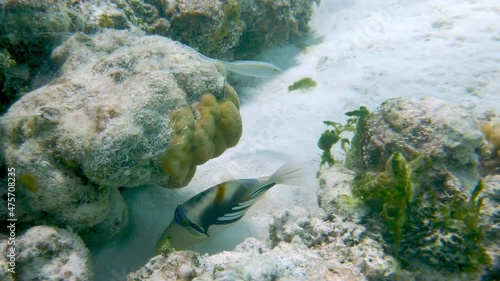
point(115, 112)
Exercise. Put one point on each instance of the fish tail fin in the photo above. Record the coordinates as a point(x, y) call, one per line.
point(291, 173)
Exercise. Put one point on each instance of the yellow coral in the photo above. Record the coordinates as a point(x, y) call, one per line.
point(28, 181)
point(199, 133)
point(495, 137)
point(492, 132)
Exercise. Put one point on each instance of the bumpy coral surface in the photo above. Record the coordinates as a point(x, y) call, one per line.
point(251, 260)
point(429, 204)
point(47, 253)
point(215, 28)
point(132, 110)
point(428, 126)
point(269, 22)
point(490, 222)
point(27, 37)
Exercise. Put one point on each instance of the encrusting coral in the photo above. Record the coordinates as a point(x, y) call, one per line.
point(197, 140)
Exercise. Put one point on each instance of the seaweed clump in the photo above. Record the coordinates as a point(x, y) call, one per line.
point(331, 137)
point(304, 83)
point(418, 225)
point(391, 193)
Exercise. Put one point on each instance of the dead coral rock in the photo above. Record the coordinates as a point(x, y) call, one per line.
point(119, 95)
point(48, 253)
point(269, 23)
point(447, 133)
point(215, 28)
point(251, 260)
point(30, 31)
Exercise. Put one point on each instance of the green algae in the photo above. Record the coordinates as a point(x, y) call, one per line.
point(330, 137)
point(391, 193)
point(232, 11)
point(304, 83)
point(418, 224)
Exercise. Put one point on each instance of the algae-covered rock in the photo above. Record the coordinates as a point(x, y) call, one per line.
point(30, 29)
point(268, 23)
point(447, 133)
point(212, 27)
point(132, 110)
point(47, 253)
point(421, 224)
point(426, 203)
point(215, 28)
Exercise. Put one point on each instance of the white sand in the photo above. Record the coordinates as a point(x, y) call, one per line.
point(370, 52)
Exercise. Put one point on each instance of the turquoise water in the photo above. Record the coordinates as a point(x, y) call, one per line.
point(116, 112)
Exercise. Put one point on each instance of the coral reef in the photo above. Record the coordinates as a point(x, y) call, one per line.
point(27, 39)
point(489, 223)
point(269, 23)
point(234, 28)
point(241, 28)
point(407, 220)
point(420, 227)
point(213, 27)
point(251, 260)
point(194, 142)
point(337, 198)
point(132, 110)
point(426, 209)
point(47, 253)
point(492, 133)
point(426, 126)
point(392, 193)
point(302, 246)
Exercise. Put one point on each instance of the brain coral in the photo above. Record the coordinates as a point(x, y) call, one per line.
point(134, 110)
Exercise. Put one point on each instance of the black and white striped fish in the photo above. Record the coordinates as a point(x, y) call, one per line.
point(212, 210)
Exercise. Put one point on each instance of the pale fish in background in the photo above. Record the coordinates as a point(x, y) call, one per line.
point(253, 68)
point(213, 210)
point(244, 67)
